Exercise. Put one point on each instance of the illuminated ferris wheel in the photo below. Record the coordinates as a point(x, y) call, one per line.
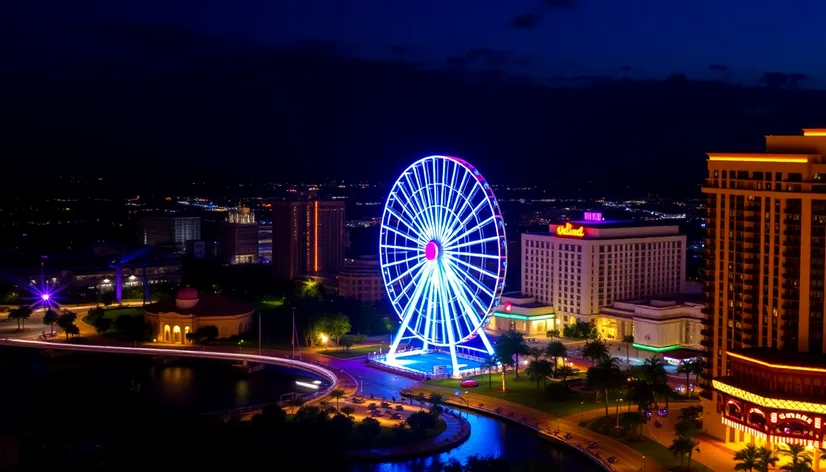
point(443, 254)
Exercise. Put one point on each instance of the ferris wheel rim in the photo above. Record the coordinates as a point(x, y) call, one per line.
point(454, 268)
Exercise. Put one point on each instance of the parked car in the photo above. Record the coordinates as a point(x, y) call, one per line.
point(470, 383)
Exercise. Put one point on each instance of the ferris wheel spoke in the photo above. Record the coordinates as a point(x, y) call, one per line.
point(478, 284)
point(467, 203)
point(459, 192)
point(471, 254)
point(440, 194)
point(456, 260)
point(456, 294)
point(403, 261)
point(470, 295)
point(425, 197)
point(471, 243)
point(429, 313)
point(413, 283)
point(455, 230)
point(420, 205)
point(410, 309)
point(461, 291)
point(407, 272)
point(446, 309)
point(418, 241)
point(480, 225)
point(412, 223)
point(400, 248)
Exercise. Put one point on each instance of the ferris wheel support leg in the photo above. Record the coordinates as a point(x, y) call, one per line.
point(391, 353)
point(455, 361)
point(486, 342)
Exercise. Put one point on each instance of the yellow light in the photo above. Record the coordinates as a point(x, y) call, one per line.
point(778, 403)
point(776, 366)
point(569, 230)
point(814, 132)
point(324, 338)
point(779, 158)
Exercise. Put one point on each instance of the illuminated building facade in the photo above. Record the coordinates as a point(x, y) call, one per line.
point(360, 279)
point(658, 324)
point(522, 314)
point(582, 266)
point(239, 237)
point(169, 231)
point(307, 237)
point(764, 289)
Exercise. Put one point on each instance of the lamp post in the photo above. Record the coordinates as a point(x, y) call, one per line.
point(240, 343)
point(619, 400)
point(324, 340)
point(643, 463)
point(361, 387)
point(581, 412)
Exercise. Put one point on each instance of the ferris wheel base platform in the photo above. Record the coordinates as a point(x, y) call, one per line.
point(433, 363)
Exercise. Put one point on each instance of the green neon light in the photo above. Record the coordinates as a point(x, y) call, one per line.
point(643, 347)
point(523, 317)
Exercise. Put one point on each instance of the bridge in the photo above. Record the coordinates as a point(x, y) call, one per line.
point(216, 355)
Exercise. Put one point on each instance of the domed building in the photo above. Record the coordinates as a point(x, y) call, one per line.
point(171, 320)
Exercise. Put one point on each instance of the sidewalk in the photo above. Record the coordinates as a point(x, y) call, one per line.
point(629, 459)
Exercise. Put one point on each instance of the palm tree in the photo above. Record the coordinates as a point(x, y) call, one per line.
point(628, 339)
point(436, 401)
point(348, 410)
point(653, 372)
point(765, 458)
point(698, 367)
point(552, 333)
point(539, 371)
point(686, 367)
point(337, 394)
point(633, 421)
point(683, 446)
point(801, 459)
point(505, 355)
point(746, 458)
point(556, 349)
point(489, 364)
point(50, 318)
point(595, 350)
point(604, 377)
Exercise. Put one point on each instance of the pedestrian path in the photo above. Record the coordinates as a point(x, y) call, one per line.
point(457, 430)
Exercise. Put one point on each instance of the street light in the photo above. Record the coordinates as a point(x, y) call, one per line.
point(619, 400)
point(643, 463)
point(581, 412)
point(324, 340)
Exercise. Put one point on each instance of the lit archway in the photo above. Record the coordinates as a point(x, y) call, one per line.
point(176, 334)
point(166, 335)
point(186, 331)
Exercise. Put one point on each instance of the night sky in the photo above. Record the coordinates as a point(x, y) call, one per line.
point(568, 93)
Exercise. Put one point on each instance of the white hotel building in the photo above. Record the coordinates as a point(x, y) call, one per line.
point(579, 267)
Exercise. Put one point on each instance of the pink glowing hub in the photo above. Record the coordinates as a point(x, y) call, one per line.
point(45, 296)
point(431, 250)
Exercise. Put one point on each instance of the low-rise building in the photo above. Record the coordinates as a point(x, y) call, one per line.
point(360, 279)
point(171, 320)
point(522, 313)
point(657, 324)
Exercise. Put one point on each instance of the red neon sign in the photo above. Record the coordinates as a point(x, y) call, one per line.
point(508, 307)
point(569, 230)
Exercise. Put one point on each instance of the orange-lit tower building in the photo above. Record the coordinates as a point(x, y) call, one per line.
point(307, 237)
point(765, 275)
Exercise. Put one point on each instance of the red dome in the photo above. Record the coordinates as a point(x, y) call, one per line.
point(187, 293)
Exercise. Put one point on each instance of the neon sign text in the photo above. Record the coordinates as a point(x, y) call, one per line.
point(569, 230)
point(593, 216)
point(791, 416)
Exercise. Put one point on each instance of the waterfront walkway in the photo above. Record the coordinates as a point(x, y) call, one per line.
point(629, 459)
point(456, 431)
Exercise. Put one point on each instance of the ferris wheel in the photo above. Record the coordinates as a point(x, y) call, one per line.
point(443, 255)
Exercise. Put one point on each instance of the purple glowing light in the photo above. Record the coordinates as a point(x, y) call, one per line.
point(45, 297)
point(431, 250)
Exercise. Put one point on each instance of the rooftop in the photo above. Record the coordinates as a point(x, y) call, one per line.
point(208, 305)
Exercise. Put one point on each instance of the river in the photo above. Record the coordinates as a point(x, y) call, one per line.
point(204, 386)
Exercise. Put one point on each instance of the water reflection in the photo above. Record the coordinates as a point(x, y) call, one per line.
point(495, 438)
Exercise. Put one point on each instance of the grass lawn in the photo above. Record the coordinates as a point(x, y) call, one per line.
point(524, 392)
point(271, 302)
point(646, 447)
point(355, 351)
point(114, 313)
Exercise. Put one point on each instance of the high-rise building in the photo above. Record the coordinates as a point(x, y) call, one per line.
point(307, 237)
point(265, 242)
point(169, 231)
point(239, 237)
point(579, 267)
point(360, 279)
point(765, 253)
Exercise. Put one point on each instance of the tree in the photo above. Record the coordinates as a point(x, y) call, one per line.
point(347, 342)
point(556, 349)
point(205, 334)
point(108, 298)
point(436, 401)
point(313, 332)
point(683, 446)
point(538, 371)
point(310, 288)
point(800, 459)
point(103, 324)
point(421, 422)
point(628, 339)
point(369, 428)
point(20, 314)
point(698, 367)
point(505, 357)
point(490, 364)
point(295, 402)
point(66, 322)
point(564, 372)
point(335, 326)
point(50, 318)
point(605, 377)
point(552, 333)
point(511, 344)
point(95, 313)
point(653, 372)
point(686, 367)
point(765, 458)
point(338, 394)
point(348, 410)
point(633, 421)
point(595, 350)
point(534, 352)
point(746, 458)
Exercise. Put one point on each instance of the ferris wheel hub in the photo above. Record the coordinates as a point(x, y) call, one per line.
point(432, 250)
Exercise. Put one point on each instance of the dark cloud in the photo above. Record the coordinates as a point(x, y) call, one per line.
point(559, 4)
point(496, 58)
point(782, 79)
point(626, 68)
point(406, 51)
point(526, 20)
point(719, 67)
